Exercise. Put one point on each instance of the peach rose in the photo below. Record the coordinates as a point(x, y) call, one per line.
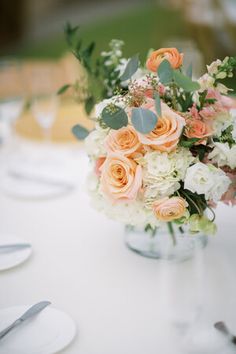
point(124, 141)
point(168, 209)
point(171, 54)
point(121, 177)
point(98, 164)
point(167, 132)
point(196, 128)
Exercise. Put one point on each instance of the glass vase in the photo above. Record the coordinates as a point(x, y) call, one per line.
point(168, 242)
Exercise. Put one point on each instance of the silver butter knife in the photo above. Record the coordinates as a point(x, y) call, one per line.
point(221, 326)
point(11, 247)
point(32, 311)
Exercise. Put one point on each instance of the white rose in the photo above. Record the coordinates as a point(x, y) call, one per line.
point(223, 155)
point(206, 179)
point(198, 179)
point(220, 185)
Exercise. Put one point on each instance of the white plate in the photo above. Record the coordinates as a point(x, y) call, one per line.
point(12, 259)
point(46, 333)
point(25, 189)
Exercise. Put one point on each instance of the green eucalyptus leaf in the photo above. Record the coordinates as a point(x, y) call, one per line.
point(165, 72)
point(157, 104)
point(143, 120)
point(80, 132)
point(131, 68)
point(114, 117)
point(185, 82)
point(89, 104)
point(189, 71)
point(63, 89)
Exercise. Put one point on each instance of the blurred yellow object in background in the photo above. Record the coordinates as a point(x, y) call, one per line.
point(69, 114)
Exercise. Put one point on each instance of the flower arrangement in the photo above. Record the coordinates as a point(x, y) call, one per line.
point(164, 145)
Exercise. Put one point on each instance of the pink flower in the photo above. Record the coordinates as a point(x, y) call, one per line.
point(194, 112)
point(196, 128)
point(121, 178)
point(229, 197)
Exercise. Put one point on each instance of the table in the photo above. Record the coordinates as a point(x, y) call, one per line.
point(116, 297)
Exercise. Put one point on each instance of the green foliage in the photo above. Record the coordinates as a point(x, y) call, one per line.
point(83, 54)
point(227, 136)
point(114, 117)
point(80, 132)
point(165, 72)
point(187, 143)
point(157, 104)
point(89, 104)
point(196, 202)
point(143, 120)
point(131, 68)
point(63, 89)
point(185, 82)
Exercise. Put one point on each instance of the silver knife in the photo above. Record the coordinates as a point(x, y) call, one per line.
point(11, 247)
point(221, 326)
point(32, 311)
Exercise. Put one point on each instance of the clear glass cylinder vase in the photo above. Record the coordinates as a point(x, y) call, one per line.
point(177, 245)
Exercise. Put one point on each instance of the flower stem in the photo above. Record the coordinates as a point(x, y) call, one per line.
point(172, 232)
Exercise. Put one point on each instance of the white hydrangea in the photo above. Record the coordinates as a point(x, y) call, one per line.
point(133, 213)
point(223, 155)
point(94, 143)
point(206, 179)
point(162, 172)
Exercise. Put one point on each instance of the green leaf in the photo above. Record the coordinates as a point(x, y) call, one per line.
point(131, 68)
point(70, 33)
point(143, 120)
point(157, 104)
point(165, 72)
point(114, 117)
point(185, 82)
point(89, 104)
point(188, 142)
point(86, 53)
point(189, 71)
point(63, 89)
point(80, 132)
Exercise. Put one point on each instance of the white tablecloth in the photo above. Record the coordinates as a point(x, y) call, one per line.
point(120, 301)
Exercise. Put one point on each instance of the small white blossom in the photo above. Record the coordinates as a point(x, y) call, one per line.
point(213, 67)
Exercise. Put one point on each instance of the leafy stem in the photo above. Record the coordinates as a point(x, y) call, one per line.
point(172, 232)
